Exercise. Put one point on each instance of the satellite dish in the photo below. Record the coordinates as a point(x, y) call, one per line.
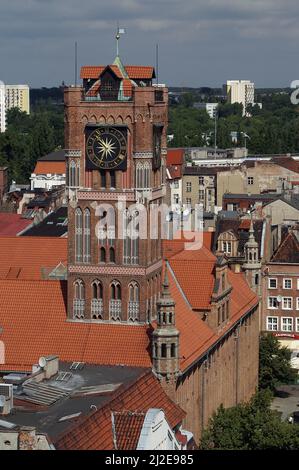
point(42, 362)
point(186, 212)
point(2, 401)
point(279, 299)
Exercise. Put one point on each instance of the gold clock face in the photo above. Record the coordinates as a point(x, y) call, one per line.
point(106, 148)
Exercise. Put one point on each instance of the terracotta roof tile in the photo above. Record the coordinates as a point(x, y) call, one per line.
point(26, 256)
point(12, 224)
point(95, 431)
point(133, 71)
point(175, 156)
point(54, 168)
point(34, 313)
point(128, 426)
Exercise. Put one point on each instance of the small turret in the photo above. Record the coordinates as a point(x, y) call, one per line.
point(165, 339)
point(252, 265)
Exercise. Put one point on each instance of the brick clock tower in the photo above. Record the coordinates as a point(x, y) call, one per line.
point(115, 136)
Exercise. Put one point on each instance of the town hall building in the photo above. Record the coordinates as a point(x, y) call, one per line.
point(132, 300)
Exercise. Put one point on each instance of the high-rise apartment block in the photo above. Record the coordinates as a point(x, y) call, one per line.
point(240, 91)
point(2, 108)
point(17, 96)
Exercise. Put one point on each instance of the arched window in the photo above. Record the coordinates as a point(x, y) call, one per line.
point(97, 300)
point(131, 237)
point(115, 301)
point(72, 174)
point(102, 255)
point(79, 299)
point(97, 290)
point(86, 254)
point(112, 255)
point(142, 175)
point(115, 290)
point(78, 235)
point(133, 304)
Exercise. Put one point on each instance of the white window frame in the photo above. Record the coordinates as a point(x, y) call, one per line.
point(284, 283)
point(225, 245)
point(297, 284)
point(188, 187)
point(250, 180)
point(272, 308)
point(282, 303)
point(267, 325)
point(297, 303)
point(282, 324)
point(269, 282)
point(297, 324)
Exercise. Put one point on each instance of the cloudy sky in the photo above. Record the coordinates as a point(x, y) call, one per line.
point(201, 42)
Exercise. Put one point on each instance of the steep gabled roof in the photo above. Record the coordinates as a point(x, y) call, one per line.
point(135, 72)
point(288, 250)
point(94, 432)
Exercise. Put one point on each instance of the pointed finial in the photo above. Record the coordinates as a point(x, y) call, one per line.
point(166, 280)
point(165, 284)
point(251, 230)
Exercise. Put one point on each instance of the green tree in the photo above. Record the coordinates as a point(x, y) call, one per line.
point(274, 364)
point(252, 426)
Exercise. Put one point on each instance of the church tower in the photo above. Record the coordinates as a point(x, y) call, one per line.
point(252, 265)
point(115, 138)
point(165, 339)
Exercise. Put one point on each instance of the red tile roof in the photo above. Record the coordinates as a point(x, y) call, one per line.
point(175, 156)
point(94, 432)
point(175, 172)
point(53, 168)
point(201, 264)
point(34, 313)
point(287, 162)
point(12, 224)
point(25, 257)
point(178, 244)
point(134, 72)
point(128, 426)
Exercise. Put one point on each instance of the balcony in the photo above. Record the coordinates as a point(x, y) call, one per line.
point(115, 310)
point(96, 309)
point(79, 309)
point(133, 311)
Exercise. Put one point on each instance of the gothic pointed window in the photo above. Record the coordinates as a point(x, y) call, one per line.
point(112, 255)
point(133, 305)
point(130, 237)
point(78, 235)
point(97, 300)
point(79, 299)
point(115, 307)
point(102, 255)
point(86, 254)
point(142, 175)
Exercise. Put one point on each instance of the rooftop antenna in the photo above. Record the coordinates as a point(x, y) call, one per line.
point(119, 31)
point(76, 62)
point(157, 63)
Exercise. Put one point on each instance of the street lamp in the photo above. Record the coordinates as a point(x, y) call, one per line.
point(246, 136)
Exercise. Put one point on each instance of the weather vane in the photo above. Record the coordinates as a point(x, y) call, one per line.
point(119, 31)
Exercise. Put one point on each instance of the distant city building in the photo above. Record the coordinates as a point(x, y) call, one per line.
point(17, 96)
point(2, 108)
point(210, 108)
point(49, 171)
point(240, 91)
point(280, 284)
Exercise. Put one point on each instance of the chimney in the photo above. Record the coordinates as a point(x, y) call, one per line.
point(46, 368)
point(6, 398)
